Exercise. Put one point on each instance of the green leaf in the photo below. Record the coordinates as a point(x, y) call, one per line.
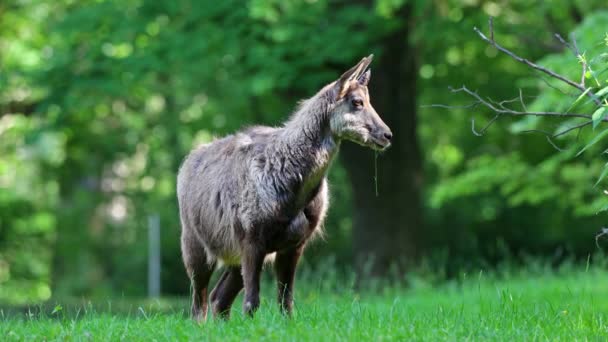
point(602, 92)
point(598, 116)
point(602, 209)
point(594, 141)
point(579, 99)
point(57, 309)
point(602, 175)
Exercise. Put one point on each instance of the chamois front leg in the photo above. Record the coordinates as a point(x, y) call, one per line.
point(252, 262)
point(285, 269)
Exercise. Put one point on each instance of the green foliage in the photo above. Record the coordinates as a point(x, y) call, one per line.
point(120, 91)
point(100, 101)
point(27, 223)
point(599, 115)
point(524, 175)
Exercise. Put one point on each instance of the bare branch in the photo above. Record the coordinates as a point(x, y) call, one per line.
point(535, 66)
point(439, 105)
point(536, 131)
point(502, 103)
point(603, 232)
point(551, 136)
point(566, 44)
point(576, 52)
point(553, 144)
point(528, 62)
point(485, 128)
point(546, 81)
point(557, 135)
point(582, 59)
point(568, 130)
point(473, 128)
point(497, 108)
point(491, 22)
point(502, 108)
point(521, 100)
point(547, 135)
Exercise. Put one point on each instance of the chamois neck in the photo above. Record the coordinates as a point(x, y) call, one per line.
point(307, 143)
point(309, 125)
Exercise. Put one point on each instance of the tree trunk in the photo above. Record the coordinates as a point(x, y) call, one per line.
point(387, 229)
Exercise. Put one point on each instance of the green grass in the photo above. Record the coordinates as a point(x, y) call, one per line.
point(568, 306)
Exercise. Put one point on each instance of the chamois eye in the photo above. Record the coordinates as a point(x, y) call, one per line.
point(357, 103)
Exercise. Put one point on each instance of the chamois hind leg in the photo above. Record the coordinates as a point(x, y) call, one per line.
point(252, 260)
point(226, 290)
point(199, 270)
point(285, 268)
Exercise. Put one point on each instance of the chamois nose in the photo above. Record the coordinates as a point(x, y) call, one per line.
point(388, 136)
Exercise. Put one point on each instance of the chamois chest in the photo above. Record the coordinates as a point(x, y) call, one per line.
point(295, 225)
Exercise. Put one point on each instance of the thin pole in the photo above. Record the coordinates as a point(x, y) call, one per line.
point(153, 255)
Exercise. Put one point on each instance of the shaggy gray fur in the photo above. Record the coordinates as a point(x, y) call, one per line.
point(243, 181)
point(263, 190)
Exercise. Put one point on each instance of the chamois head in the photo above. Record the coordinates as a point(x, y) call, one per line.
point(352, 116)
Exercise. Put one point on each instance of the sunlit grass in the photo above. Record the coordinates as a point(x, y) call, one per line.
point(552, 305)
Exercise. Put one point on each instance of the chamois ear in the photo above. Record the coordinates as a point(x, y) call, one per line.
point(364, 78)
point(352, 74)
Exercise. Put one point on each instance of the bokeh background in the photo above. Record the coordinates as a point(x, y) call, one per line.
point(101, 100)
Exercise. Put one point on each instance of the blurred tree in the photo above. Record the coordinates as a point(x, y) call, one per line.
point(387, 226)
point(134, 85)
point(28, 191)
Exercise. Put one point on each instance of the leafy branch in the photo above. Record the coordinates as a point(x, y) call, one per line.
point(505, 108)
point(502, 108)
point(580, 86)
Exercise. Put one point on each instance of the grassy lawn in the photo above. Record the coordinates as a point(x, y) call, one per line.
point(543, 306)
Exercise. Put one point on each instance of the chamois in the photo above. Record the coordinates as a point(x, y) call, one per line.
point(263, 191)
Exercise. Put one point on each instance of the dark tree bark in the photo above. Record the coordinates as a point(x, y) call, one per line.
point(388, 228)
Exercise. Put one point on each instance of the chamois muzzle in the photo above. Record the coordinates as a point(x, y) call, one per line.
point(381, 136)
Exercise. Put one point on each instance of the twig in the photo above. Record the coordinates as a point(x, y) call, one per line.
point(551, 73)
point(491, 22)
point(505, 110)
point(553, 144)
point(602, 232)
point(485, 128)
point(546, 81)
point(501, 108)
point(473, 128)
point(576, 52)
point(559, 134)
point(501, 104)
point(563, 41)
point(580, 57)
point(521, 100)
point(535, 130)
point(439, 105)
point(567, 130)
point(547, 135)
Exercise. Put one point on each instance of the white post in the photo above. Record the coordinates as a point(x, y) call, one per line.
point(153, 255)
